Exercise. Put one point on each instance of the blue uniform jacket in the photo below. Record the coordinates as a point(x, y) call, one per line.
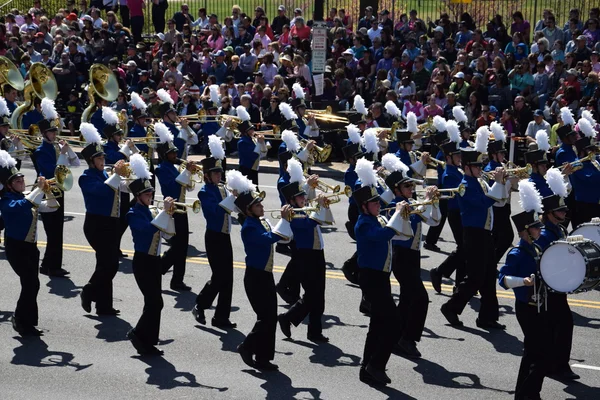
point(12, 106)
point(475, 207)
point(45, 159)
point(139, 131)
point(281, 149)
point(179, 143)
point(373, 243)
point(586, 183)
point(146, 237)
point(405, 157)
point(111, 149)
point(281, 182)
point(210, 128)
point(99, 198)
point(520, 262)
point(166, 173)
point(540, 184)
point(550, 233)
point(452, 178)
point(564, 154)
point(415, 225)
point(248, 158)
point(464, 144)
point(30, 118)
point(491, 166)
point(258, 242)
point(350, 178)
point(301, 128)
point(217, 219)
point(440, 171)
point(20, 217)
point(307, 233)
point(98, 122)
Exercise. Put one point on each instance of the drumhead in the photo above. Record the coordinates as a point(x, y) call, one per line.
point(563, 267)
point(589, 231)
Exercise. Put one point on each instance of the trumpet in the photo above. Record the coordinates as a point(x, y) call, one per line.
point(578, 164)
point(441, 193)
point(408, 212)
point(521, 173)
point(271, 134)
point(425, 126)
point(295, 212)
point(334, 197)
point(432, 161)
point(324, 187)
point(197, 168)
point(319, 154)
point(390, 132)
point(195, 206)
point(327, 115)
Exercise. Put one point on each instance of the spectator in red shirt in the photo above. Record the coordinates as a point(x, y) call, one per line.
point(300, 29)
point(136, 12)
point(477, 38)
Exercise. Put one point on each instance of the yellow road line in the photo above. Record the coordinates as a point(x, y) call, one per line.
point(328, 274)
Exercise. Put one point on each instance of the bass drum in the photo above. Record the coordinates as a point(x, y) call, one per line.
point(571, 266)
point(589, 230)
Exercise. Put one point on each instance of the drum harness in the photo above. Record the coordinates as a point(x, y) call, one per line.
point(540, 292)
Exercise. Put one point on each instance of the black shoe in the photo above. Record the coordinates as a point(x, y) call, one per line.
point(16, 326)
point(285, 295)
point(23, 330)
point(378, 376)
point(58, 273)
point(365, 377)
point(246, 355)
point(564, 374)
point(86, 301)
point(489, 324)
point(154, 351)
point(137, 342)
point(180, 287)
point(283, 249)
point(365, 307)
point(407, 348)
point(351, 276)
point(285, 325)
point(266, 366)
point(111, 312)
point(431, 247)
point(32, 331)
point(122, 255)
point(451, 316)
point(198, 313)
point(223, 323)
point(436, 279)
point(318, 338)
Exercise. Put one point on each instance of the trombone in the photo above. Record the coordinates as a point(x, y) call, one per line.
point(521, 173)
point(432, 161)
point(322, 186)
point(327, 115)
point(195, 206)
point(296, 212)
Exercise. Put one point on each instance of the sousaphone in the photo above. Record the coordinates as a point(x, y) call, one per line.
point(42, 84)
point(103, 83)
point(9, 73)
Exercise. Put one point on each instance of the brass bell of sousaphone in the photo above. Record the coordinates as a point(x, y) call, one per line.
point(103, 83)
point(42, 84)
point(9, 73)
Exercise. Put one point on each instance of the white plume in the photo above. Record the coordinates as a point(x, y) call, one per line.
point(366, 173)
point(541, 137)
point(287, 111)
point(215, 97)
point(393, 109)
point(567, 116)
point(392, 163)
point(459, 114)
point(3, 107)
point(6, 160)
point(238, 182)
point(556, 182)
point(110, 116)
point(90, 133)
point(163, 133)
point(498, 131)
point(439, 123)
point(411, 122)
point(482, 138)
point(215, 144)
point(529, 197)
point(353, 133)
point(138, 102)
point(453, 131)
point(359, 105)
point(586, 128)
point(370, 141)
point(48, 109)
point(164, 96)
point(298, 90)
point(291, 141)
point(294, 168)
point(242, 113)
point(139, 166)
point(587, 114)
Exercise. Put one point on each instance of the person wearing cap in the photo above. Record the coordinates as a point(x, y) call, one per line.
point(586, 182)
point(280, 20)
point(297, 14)
point(20, 215)
point(300, 29)
point(145, 81)
point(538, 123)
point(140, 123)
point(476, 208)
point(582, 52)
point(365, 21)
point(184, 136)
point(146, 264)
point(218, 68)
point(40, 44)
point(460, 88)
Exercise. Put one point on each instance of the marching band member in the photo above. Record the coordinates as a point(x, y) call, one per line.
point(307, 127)
point(465, 131)
point(406, 260)
point(418, 168)
point(586, 181)
point(539, 163)
point(209, 126)
point(308, 258)
point(146, 265)
point(184, 136)
point(395, 115)
point(9, 143)
point(20, 213)
point(217, 239)
point(258, 348)
point(373, 235)
point(519, 273)
point(101, 226)
point(167, 175)
point(565, 155)
point(96, 118)
point(289, 125)
point(352, 152)
point(46, 158)
point(34, 115)
point(477, 215)
point(138, 130)
point(291, 144)
point(251, 146)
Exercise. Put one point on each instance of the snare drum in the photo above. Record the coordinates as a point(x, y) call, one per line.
point(571, 266)
point(589, 230)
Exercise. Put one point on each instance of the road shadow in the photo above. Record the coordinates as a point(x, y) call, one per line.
point(184, 301)
point(580, 390)
point(111, 329)
point(502, 341)
point(582, 320)
point(63, 287)
point(279, 386)
point(126, 265)
point(69, 218)
point(334, 320)
point(34, 352)
point(429, 334)
point(164, 375)
point(506, 310)
point(230, 339)
point(328, 355)
point(194, 252)
point(5, 316)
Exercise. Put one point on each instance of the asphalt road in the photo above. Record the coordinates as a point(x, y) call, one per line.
point(82, 356)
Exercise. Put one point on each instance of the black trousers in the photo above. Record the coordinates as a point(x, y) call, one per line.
point(456, 260)
point(176, 255)
point(502, 231)
point(220, 258)
point(102, 233)
point(535, 360)
point(148, 275)
point(260, 289)
point(381, 336)
point(124, 10)
point(290, 279)
point(572, 212)
point(53, 226)
point(250, 174)
point(311, 271)
point(125, 205)
point(481, 275)
point(585, 212)
point(561, 330)
point(158, 16)
point(414, 301)
point(137, 25)
point(433, 233)
point(352, 218)
point(24, 258)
